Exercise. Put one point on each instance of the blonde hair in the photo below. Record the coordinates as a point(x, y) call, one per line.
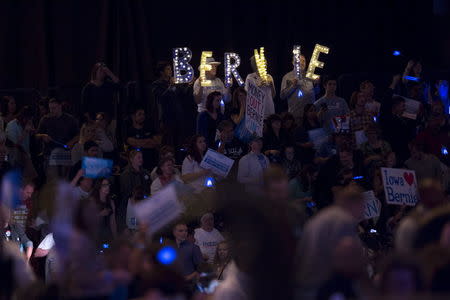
point(84, 128)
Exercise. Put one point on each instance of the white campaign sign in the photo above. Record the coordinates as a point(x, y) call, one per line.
point(411, 108)
point(218, 163)
point(400, 186)
point(160, 209)
point(372, 205)
point(254, 110)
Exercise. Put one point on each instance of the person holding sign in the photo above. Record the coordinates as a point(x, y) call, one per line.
point(268, 88)
point(191, 172)
point(216, 85)
point(252, 166)
point(331, 106)
point(297, 91)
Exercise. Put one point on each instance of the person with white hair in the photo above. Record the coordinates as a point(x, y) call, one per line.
point(207, 237)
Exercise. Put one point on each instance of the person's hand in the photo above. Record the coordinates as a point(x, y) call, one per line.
point(80, 173)
point(29, 127)
point(410, 64)
point(105, 212)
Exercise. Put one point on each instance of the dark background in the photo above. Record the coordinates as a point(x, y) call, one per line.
point(55, 43)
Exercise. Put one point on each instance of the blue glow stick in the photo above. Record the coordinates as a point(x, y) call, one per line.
point(412, 78)
point(396, 53)
point(166, 255)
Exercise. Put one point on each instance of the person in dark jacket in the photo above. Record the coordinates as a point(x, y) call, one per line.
point(14, 232)
point(209, 120)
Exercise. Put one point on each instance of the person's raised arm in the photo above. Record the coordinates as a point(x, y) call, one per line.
point(111, 75)
point(407, 71)
point(198, 92)
point(287, 87)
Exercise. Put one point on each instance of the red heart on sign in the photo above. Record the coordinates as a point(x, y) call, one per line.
point(409, 177)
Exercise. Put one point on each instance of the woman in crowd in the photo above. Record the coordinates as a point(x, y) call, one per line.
point(105, 136)
point(236, 111)
point(222, 259)
point(288, 125)
point(103, 198)
point(98, 93)
point(87, 133)
point(252, 166)
point(166, 174)
point(310, 122)
point(191, 172)
point(8, 111)
point(290, 164)
point(275, 138)
point(208, 120)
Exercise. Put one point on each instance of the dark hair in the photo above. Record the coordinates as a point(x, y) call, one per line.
point(25, 114)
point(105, 116)
point(43, 102)
point(95, 194)
point(328, 78)
point(235, 101)
point(271, 119)
point(354, 99)
point(162, 162)
point(135, 109)
point(4, 108)
point(55, 100)
point(210, 99)
point(88, 145)
point(305, 112)
point(166, 149)
point(363, 84)
point(192, 148)
point(160, 66)
point(225, 124)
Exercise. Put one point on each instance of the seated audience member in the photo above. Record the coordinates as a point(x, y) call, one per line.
point(209, 120)
point(140, 136)
point(14, 232)
point(132, 176)
point(90, 149)
point(375, 147)
point(105, 135)
point(191, 172)
point(21, 213)
point(431, 196)
point(289, 163)
point(87, 133)
point(207, 237)
point(165, 152)
point(252, 166)
point(315, 250)
point(59, 132)
point(103, 198)
point(425, 165)
point(372, 106)
point(343, 166)
point(360, 118)
point(330, 106)
point(227, 144)
point(166, 175)
point(136, 197)
point(310, 122)
point(190, 254)
point(222, 259)
point(275, 138)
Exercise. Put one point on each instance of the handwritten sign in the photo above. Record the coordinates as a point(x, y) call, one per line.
point(400, 186)
point(318, 137)
point(96, 167)
point(160, 209)
point(372, 205)
point(411, 108)
point(254, 110)
point(218, 163)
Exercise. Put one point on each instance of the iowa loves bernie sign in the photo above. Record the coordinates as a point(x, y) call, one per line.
point(400, 186)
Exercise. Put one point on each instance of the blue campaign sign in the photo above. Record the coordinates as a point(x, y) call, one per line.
point(96, 167)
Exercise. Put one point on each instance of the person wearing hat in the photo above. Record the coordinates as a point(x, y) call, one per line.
point(201, 92)
point(207, 237)
point(252, 166)
point(268, 88)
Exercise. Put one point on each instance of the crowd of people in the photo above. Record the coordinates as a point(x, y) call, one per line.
point(287, 222)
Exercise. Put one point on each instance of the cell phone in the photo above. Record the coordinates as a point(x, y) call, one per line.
point(373, 230)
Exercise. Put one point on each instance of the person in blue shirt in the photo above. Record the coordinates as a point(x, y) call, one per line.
point(208, 120)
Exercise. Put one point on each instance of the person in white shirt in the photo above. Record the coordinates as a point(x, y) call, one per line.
point(297, 92)
point(191, 172)
point(268, 88)
point(202, 92)
point(252, 166)
point(207, 237)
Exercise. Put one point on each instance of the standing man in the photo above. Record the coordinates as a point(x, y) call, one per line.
point(59, 131)
point(202, 92)
point(331, 106)
point(268, 88)
point(297, 92)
